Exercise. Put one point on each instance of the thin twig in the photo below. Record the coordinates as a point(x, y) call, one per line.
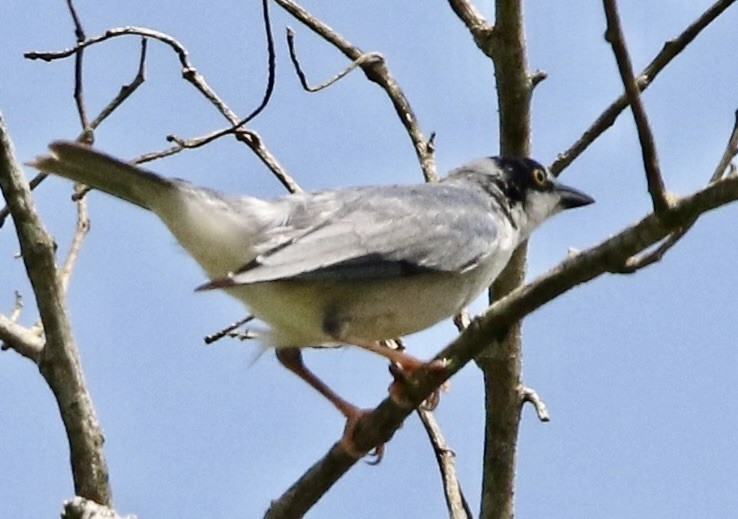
point(216, 336)
point(17, 307)
point(607, 118)
point(636, 263)
point(536, 77)
point(190, 74)
point(124, 93)
point(271, 78)
point(614, 35)
point(731, 150)
point(126, 90)
point(81, 230)
point(378, 72)
point(365, 58)
point(529, 395)
point(79, 98)
point(456, 503)
point(250, 137)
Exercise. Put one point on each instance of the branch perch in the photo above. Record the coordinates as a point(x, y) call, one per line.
point(379, 426)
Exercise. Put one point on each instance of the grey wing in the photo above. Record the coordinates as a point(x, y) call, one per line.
point(374, 233)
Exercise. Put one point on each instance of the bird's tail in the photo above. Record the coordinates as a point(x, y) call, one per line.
point(100, 171)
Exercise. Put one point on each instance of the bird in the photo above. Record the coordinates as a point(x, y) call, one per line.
point(349, 266)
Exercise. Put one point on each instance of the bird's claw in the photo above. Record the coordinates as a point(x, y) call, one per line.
point(398, 388)
point(347, 440)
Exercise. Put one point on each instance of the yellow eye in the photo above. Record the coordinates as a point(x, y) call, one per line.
point(539, 177)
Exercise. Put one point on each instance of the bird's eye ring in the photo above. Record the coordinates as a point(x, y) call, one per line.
point(539, 176)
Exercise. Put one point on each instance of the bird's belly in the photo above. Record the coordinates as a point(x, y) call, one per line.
point(310, 313)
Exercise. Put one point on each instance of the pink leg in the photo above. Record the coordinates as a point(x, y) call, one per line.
point(291, 358)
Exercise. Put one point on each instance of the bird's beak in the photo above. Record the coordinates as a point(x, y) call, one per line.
point(571, 198)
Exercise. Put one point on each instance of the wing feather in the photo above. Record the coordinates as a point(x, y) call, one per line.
point(374, 232)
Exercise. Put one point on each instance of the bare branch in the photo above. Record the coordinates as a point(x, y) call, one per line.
point(252, 140)
point(483, 32)
point(614, 35)
point(456, 503)
point(636, 263)
point(671, 49)
point(79, 98)
point(528, 394)
point(377, 72)
point(365, 58)
point(125, 91)
point(20, 339)
point(470, 15)
point(82, 227)
point(216, 336)
point(536, 77)
point(731, 150)
point(58, 361)
point(17, 307)
point(190, 74)
point(379, 426)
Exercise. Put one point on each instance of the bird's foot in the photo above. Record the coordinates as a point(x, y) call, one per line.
point(398, 390)
point(347, 440)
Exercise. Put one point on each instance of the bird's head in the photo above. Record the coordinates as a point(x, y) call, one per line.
point(525, 191)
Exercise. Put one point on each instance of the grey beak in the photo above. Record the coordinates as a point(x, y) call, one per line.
point(571, 198)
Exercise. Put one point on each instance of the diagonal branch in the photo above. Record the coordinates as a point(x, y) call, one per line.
point(456, 503)
point(731, 150)
point(470, 15)
point(81, 229)
point(58, 361)
point(607, 118)
point(379, 426)
point(377, 72)
point(614, 35)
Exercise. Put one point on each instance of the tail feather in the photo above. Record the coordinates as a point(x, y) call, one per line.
point(100, 171)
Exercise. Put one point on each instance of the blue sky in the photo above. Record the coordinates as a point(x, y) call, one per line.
point(639, 372)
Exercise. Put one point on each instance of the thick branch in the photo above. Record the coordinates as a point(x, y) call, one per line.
point(379, 426)
point(614, 35)
point(59, 361)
